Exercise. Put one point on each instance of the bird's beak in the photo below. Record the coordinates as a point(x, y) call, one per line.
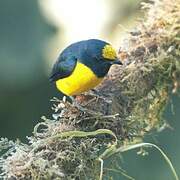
point(116, 61)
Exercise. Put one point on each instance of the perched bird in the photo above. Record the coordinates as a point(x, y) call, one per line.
point(82, 66)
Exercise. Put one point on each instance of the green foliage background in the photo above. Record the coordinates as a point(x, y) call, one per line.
point(25, 90)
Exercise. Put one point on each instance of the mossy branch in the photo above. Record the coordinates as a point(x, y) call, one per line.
point(126, 106)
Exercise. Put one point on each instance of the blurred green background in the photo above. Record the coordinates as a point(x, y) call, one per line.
point(31, 35)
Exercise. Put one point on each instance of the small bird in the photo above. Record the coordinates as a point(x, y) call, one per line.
point(82, 66)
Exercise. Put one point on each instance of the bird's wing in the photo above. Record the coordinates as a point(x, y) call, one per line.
point(63, 68)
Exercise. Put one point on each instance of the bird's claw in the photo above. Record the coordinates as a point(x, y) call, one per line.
point(98, 95)
point(83, 109)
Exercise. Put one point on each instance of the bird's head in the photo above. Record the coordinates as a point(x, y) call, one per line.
point(109, 55)
point(103, 52)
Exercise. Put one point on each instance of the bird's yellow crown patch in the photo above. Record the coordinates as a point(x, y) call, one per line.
point(109, 52)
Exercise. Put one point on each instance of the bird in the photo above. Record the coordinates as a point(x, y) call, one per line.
point(82, 66)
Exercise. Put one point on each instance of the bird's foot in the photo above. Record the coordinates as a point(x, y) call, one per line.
point(82, 108)
point(64, 99)
point(97, 95)
point(59, 107)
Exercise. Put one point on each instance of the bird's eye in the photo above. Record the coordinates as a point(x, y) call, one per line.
point(109, 52)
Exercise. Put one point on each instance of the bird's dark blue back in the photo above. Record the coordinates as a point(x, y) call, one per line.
point(91, 47)
point(88, 52)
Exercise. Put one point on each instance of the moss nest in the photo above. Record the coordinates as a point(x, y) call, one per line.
point(126, 106)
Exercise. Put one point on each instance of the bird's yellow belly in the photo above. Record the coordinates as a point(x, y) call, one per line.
point(82, 79)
